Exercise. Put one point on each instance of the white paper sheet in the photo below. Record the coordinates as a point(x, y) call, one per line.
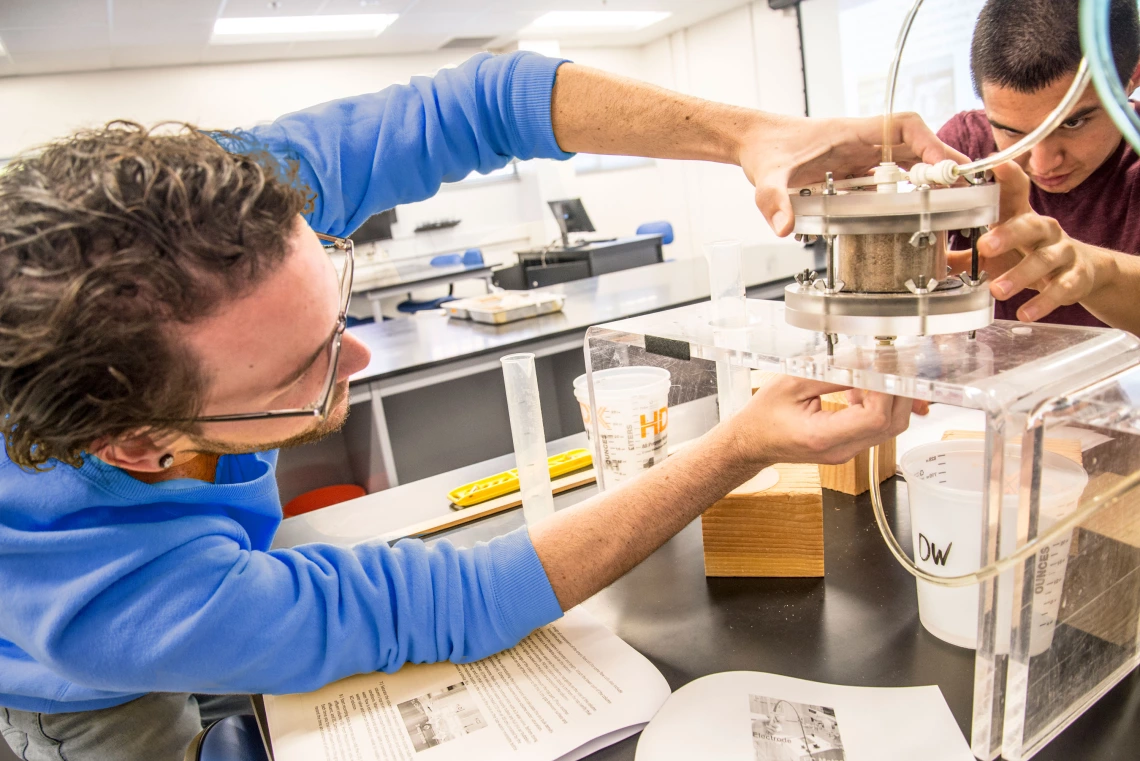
point(569, 688)
point(750, 716)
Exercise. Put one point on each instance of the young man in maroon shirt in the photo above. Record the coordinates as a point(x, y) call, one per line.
point(1066, 249)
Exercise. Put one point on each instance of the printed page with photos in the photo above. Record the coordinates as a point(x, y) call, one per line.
point(567, 690)
point(750, 716)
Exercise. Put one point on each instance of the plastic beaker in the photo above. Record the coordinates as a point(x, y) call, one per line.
point(945, 482)
point(632, 412)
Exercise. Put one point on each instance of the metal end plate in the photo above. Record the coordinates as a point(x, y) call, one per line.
point(889, 314)
point(867, 212)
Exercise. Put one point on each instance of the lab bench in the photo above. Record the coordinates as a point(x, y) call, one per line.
point(431, 399)
point(858, 625)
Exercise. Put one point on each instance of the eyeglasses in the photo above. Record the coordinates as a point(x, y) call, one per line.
point(323, 406)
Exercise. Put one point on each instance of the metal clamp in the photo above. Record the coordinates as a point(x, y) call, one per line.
point(925, 237)
point(970, 282)
point(922, 290)
point(823, 287)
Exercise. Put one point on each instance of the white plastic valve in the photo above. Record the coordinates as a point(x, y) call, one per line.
point(943, 173)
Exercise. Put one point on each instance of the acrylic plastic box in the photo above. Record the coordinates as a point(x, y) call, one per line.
point(1030, 381)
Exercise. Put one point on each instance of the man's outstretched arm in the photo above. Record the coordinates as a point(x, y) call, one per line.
point(593, 111)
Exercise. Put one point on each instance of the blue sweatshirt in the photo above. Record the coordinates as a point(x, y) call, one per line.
point(111, 588)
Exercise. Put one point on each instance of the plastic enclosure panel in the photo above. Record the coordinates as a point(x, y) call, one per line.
point(1031, 382)
point(1070, 644)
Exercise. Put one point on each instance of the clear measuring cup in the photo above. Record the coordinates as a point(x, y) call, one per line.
point(944, 479)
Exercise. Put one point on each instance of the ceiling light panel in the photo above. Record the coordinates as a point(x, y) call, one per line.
point(236, 31)
point(597, 21)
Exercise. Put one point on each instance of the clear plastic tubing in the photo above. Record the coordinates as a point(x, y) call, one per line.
point(998, 567)
point(521, 381)
point(892, 80)
point(1096, 43)
point(1027, 143)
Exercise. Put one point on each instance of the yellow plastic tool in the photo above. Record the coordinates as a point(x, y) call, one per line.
point(505, 483)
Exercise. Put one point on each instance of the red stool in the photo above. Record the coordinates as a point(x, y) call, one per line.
point(322, 497)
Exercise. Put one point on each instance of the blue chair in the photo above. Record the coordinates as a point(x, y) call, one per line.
point(472, 257)
point(234, 738)
point(411, 307)
point(662, 228)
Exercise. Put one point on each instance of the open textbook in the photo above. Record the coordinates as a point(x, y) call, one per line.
point(567, 690)
point(750, 716)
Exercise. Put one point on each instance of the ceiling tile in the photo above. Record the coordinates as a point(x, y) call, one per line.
point(338, 7)
point(16, 14)
point(163, 11)
point(186, 33)
point(61, 40)
point(247, 8)
point(448, 25)
point(63, 35)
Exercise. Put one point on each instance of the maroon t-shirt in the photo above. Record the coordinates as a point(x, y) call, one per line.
point(1104, 210)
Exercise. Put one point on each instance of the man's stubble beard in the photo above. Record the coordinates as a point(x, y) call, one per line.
point(333, 423)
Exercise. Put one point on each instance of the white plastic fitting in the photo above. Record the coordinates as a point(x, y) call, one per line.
point(945, 172)
point(887, 177)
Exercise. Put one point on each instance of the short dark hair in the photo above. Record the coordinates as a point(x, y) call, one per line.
point(109, 241)
point(1029, 44)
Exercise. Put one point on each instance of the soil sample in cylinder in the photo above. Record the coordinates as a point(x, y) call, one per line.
point(882, 263)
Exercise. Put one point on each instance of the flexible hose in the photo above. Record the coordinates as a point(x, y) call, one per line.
point(1027, 143)
point(1024, 145)
point(1096, 67)
point(1095, 41)
point(1000, 566)
point(892, 81)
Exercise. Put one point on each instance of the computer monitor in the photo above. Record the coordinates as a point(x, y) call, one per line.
point(572, 217)
point(377, 227)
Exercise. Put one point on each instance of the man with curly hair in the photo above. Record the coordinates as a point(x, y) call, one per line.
point(169, 317)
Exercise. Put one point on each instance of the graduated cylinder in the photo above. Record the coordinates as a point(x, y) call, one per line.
point(527, 435)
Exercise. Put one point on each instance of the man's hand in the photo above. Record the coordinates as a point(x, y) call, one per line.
point(586, 547)
point(1027, 250)
point(783, 152)
point(785, 422)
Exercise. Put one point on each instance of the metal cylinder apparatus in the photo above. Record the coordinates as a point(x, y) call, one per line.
point(889, 275)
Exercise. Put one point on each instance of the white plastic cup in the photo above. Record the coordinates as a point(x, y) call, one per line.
point(944, 480)
point(632, 413)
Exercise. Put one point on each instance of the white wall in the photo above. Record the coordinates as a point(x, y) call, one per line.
point(847, 75)
point(748, 56)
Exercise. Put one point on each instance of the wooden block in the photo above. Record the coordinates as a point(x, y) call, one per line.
point(1068, 448)
point(852, 476)
point(774, 532)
